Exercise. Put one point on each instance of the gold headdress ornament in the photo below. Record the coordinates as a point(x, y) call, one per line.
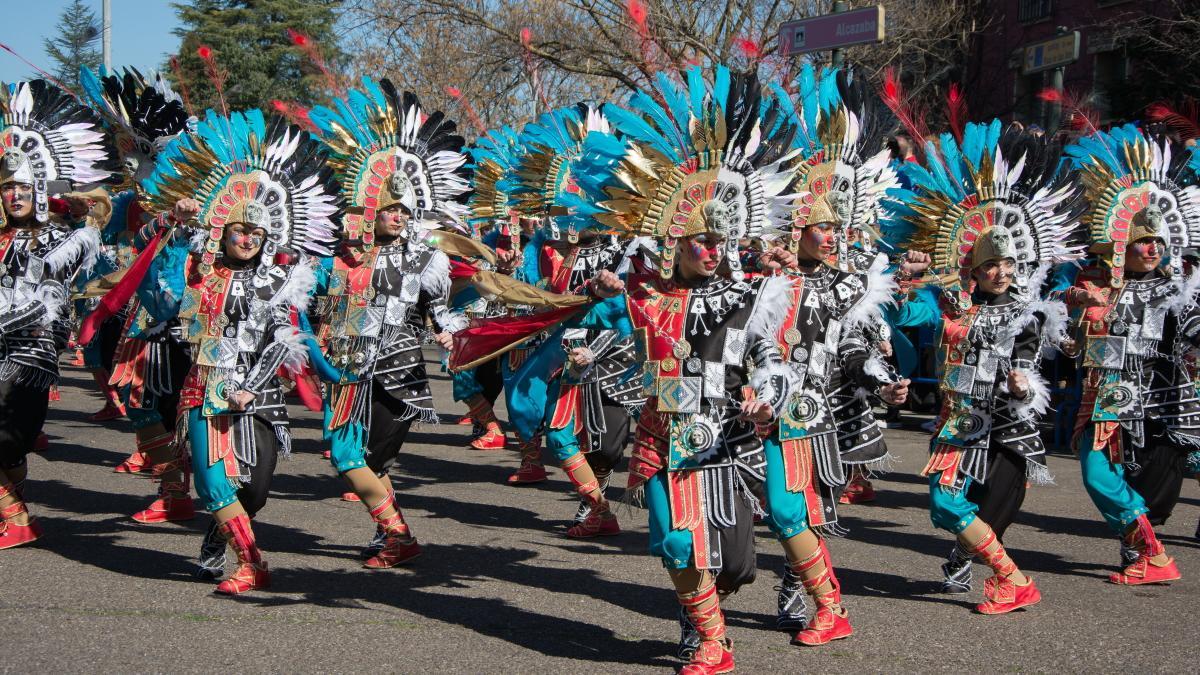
point(1133, 193)
point(707, 162)
point(243, 169)
point(969, 205)
point(386, 150)
point(837, 181)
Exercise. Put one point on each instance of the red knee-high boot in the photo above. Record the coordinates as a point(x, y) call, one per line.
point(1141, 538)
point(112, 402)
point(12, 533)
point(251, 572)
point(139, 461)
point(1002, 595)
point(482, 414)
point(174, 503)
point(714, 654)
point(600, 521)
point(400, 546)
point(532, 470)
point(831, 621)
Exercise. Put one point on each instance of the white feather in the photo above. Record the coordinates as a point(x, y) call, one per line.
point(81, 248)
point(771, 307)
point(879, 293)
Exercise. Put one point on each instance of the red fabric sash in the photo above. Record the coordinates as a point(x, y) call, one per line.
point(485, 339)
point(119, 295)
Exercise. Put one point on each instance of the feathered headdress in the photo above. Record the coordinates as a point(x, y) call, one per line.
point(997, 196)
point(493, 156)
point(143, 116)
point(551, 146)
point(244, 169)
point(840, 178)
point(387, 150)
point(711, 160)
point(1134, 190)
point(47, 135)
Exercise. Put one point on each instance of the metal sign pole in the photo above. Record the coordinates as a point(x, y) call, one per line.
point(836, 57)
point(106, 33)
point(1054, 110)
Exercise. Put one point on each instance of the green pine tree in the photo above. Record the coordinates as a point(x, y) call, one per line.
point(76, 42)
point(249, 41)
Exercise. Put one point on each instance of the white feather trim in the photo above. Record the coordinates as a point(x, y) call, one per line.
point(879, 293)
point(877, 368)
point(1186, 297)
point(81, 247)
point(454, 321)
point(296, 352)
point(1036, 401)
point(53, 297)
point(198, 240)
point(297, 290)
point(1055, 323)
point(771, 307)
point(435, 278)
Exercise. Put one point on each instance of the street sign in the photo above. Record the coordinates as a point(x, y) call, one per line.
point(830, 31)
point(1053, 53)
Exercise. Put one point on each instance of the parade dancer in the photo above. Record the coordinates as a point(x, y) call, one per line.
point(698, 176)
point(47, 139)
point(586, 416)
point(257, 190)
point(829, 341)
point(492, 158)
point(143, 116)
point(1135, 319)
point(993, 215)
point(401, 169)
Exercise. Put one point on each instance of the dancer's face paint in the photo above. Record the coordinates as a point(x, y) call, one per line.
point(390, 222)
point(18, 200)
point(243, 242)
point(701, 255)
point(1144, 254)
point(995, 276)
point(817, 241)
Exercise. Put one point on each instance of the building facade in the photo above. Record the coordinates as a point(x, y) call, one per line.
point(1023, 38)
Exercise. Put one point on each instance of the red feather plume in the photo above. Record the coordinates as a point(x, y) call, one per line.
point(457, 94)
point(312, 50)
point(956, 111)
point(1077, 114)
point(1183, 119)
point(910, 116)
point(296, 114)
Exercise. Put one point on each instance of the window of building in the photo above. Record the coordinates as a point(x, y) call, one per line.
point(1110, 72)
point(1034, 10)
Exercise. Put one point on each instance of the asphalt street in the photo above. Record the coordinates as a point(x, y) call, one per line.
point(500, 589)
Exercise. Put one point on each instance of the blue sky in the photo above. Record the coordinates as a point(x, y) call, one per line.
point(141, 33)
